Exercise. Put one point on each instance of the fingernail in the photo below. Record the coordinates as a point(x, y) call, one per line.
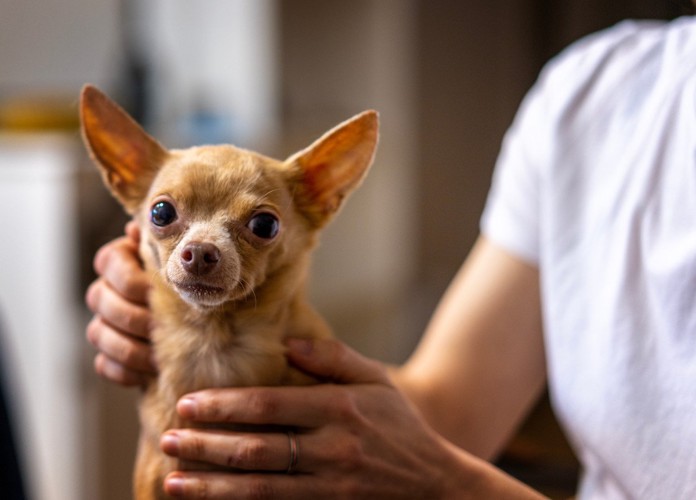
point(170, 443)
point(90, 298)
point(91, 335)
point(187, 407)
point(174, 486)
point(303, 347)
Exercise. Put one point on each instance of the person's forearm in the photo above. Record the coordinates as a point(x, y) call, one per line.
point(483, 480)
point(480, 365)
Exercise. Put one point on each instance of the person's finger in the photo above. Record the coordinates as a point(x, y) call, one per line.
point(333, 360)
point(117, 311)
point(118, 263)
point(249, 451)
point(219, 486)
point(286, 406)
point(133, 231)
point(266, 451)
point(307, 407)
point(116, 372)
point(131, 352)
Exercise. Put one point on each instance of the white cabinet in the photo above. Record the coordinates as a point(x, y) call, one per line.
point(41, 309)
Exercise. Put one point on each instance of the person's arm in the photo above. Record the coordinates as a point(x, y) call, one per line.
point(356, 436)
point(480, 365)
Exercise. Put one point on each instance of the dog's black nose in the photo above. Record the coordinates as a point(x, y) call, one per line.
point(200, 258)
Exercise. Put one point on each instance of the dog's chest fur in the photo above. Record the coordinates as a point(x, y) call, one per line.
point(230, 347)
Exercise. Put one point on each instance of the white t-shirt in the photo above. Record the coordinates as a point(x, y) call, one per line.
point(596, 185)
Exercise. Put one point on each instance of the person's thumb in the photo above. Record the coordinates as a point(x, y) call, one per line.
point(334, 361)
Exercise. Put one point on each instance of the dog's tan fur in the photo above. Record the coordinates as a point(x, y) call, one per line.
point(223, 328)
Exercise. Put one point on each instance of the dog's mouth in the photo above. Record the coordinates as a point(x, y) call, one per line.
point(200, 293)
point(201, 289)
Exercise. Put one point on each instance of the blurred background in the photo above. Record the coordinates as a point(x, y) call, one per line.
point(446, 76)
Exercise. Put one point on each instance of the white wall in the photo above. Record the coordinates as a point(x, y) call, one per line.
point(216, 58)
point(57, 45)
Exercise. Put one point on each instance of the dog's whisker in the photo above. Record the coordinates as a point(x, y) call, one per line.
point(248, 290)
point(266, 196)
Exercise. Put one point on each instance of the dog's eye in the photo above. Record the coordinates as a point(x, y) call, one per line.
point(162, 214)
point(264, 225)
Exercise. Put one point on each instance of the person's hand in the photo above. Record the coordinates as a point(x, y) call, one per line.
point(354, 437)
point(120, 328)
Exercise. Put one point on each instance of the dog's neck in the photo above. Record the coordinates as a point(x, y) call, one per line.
point(224, 346)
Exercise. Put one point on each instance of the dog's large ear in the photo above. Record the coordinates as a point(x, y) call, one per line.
point(333, 166)
point(127, 156)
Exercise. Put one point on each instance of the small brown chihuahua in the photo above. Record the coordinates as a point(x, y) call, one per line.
point(226, 236)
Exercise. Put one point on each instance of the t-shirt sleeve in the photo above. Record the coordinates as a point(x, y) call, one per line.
point(543, 129)
point(511, 217)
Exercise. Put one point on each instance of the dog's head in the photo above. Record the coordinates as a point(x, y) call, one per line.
point(218, 221)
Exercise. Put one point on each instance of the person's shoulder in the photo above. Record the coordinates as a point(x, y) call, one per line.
point(627, 39)
point(624, 46)
point(605, 67)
